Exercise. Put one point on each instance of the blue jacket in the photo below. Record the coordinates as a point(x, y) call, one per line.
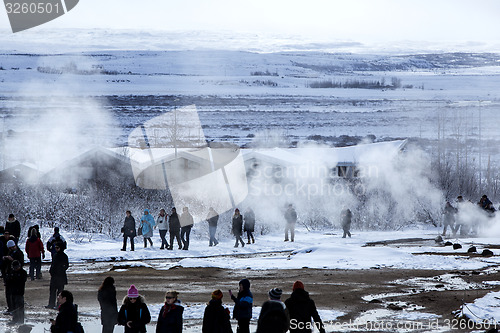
point(243, 305)
point(147, 228)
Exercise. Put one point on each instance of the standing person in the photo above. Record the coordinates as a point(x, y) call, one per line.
point(134, 313)
point(449, 217)
point(16, 281)
point(67, 318)
point(237, 225)
point(187, 223)
point(13, 227)
point(301, 309)
point(58, 277)
point(34, 250)
point(13, 254)
point(216, 316)
point(147, 224)
point(274, 317)
point(175, 228)
point(242, 311)
point(212, 219)
point(162, 223)
point(346, 217)
point(56, 238)
point(128, 231)
point(291, 219)
point(107, 300)
point(249, 224)
point(170, 317)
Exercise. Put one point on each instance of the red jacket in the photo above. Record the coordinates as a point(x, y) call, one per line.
point(34, 248)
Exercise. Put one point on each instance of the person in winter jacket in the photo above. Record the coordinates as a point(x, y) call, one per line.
point(16, 280)
point(134, 313)
point(67, 318)
point(170, 317)
point(212, 219)
point(58, 277)
point(147, 224)
point(274, 317)
point(14, 253)
point(237, 225)
point(13, 227)
point(162, 224)
point(243, 303)
point(346, 217)
point(56, 238)
point(449, 218)
point(249, 224)
point(35, 251)
point(128, 231)
point(187, 223)
point(216, 316)
point(302, 308)
point(107, 300)
point(291, 219)
point(175, 228)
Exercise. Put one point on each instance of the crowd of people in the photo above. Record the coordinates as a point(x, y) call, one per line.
point(466, 218)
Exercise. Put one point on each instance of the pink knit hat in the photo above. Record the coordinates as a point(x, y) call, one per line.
point(133, 292)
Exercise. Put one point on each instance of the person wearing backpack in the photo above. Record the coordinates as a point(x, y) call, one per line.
point(56, 238)
point(274, 317)
point(134, 313)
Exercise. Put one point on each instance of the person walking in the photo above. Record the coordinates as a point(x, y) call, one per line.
point(212, 219)
point(162, 224)
point(187, 223)
point(58, 277)
point(291, 219)
point(13, 227)
point(147, 224)
point(67, 317)
point(301, 309)
point(34, 250)
point(243, 303)
point(249, 224)
point(175, 228)
point(107, 300)
point(274, 317)
point(346, 217)
point(216, 316)
point(237, 225)
point(128, 231)
point(16, 282)
point(134, 313)
point(13, 254)
point(170, 317)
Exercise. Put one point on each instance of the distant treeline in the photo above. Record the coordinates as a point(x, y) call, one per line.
point(360, 84)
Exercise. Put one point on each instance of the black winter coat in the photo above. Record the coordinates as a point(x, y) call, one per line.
point(59, 266)
point(129, 227)
point(16, 281)
point(249, 221)
point(109, 308)
point(14, 228)
point(172, 321)
point(216, 318)
point(273, 318)
point(237, 225)
point(137, 313)
point(174, 224)
point(301, 309)
point(66, 319)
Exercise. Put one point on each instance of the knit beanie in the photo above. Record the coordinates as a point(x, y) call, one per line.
point(275, 293)
point(133, 292)
point(217, 294)
point(298, 285)
point(11, 243)
point(245, 283)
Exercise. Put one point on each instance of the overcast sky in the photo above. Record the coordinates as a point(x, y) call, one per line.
point(363, 20)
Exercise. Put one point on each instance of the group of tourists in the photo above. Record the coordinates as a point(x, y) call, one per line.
point(465, 218)
point(276, 316)
point(12, 262)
